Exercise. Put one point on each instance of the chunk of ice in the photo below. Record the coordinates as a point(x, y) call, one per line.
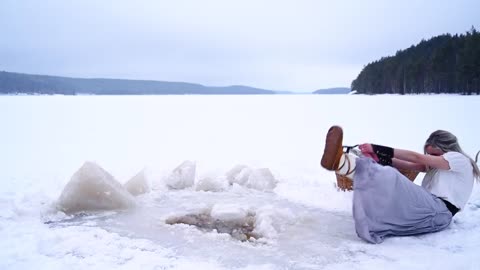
point(182, 177)
point(210, 183)
point(138, 184)
point(228, 212)
point(238, 174)
point(92, 188)
point(261, 179)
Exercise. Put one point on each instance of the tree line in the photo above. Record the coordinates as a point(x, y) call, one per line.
point(442, 64)
point(19, 83)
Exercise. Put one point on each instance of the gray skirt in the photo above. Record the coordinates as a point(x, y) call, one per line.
point(386, 203)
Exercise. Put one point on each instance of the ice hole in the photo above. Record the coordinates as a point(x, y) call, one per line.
point(240, 229)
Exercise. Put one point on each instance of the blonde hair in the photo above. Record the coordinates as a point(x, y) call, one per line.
point(447, 142)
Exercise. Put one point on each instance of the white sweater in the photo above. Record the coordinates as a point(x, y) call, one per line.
point(454, 185)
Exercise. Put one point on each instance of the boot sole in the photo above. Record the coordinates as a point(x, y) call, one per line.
point(333, 149)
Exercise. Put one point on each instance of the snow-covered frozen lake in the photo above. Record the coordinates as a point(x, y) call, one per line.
point(304, 221)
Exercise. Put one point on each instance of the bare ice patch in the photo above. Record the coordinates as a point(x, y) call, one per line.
point(230, 219)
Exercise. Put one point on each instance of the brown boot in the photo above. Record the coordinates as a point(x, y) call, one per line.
point(333, 149)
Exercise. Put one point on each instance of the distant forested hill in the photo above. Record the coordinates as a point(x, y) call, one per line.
point(14, 83)
point(335, 90)
point(443, 64)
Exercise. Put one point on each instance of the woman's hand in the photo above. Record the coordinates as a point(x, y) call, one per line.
point(367, 150)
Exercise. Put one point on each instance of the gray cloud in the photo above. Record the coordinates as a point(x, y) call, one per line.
point(284, 45)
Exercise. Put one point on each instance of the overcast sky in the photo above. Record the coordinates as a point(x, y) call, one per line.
point(297, 45)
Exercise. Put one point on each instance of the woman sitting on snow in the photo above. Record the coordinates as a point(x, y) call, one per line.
point(385, 202)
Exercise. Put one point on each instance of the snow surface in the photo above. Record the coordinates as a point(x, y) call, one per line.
point(241, 158)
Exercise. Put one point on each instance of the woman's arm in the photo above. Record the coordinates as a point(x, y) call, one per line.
point(402, 164)
point(415, 159)
point(427, 160)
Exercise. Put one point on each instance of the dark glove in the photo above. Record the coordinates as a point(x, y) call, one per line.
point(384, 154)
